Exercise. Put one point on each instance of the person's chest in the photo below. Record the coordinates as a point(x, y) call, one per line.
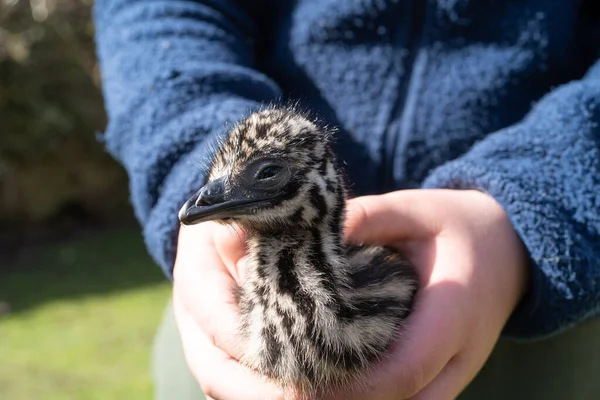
point(413, 84)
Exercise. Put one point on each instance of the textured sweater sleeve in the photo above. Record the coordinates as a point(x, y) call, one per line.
point(174, 74)
point(545, 172)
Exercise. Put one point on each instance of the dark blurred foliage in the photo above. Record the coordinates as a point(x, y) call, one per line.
point(54, 174)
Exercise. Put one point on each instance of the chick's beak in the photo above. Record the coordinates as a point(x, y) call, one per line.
point(214, 201)
point(204, 204)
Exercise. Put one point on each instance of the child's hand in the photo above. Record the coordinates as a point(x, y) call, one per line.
point(474, 271)
point(206, 276)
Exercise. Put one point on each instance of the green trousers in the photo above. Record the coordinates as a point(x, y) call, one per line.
point(564, 367)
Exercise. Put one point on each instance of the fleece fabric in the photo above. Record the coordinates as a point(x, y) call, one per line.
point(502, 96)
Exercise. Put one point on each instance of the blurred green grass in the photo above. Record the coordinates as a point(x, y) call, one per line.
point(82, 320)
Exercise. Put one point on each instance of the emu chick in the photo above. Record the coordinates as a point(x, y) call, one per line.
point(316, 312)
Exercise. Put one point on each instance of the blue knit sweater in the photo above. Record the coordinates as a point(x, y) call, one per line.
point(502, 96)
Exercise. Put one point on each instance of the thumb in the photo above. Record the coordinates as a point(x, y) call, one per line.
point(402, 215)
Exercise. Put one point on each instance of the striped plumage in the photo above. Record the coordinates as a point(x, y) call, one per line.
point(315, 311)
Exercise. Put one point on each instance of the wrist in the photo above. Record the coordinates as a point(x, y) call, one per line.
point(510, 247)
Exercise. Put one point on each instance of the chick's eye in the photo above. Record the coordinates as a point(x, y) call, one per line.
point(268, 172)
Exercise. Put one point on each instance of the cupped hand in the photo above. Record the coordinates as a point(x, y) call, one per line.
point(473, 271)
point(205, 279)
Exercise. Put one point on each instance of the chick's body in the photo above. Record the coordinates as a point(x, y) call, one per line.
point(316, 312)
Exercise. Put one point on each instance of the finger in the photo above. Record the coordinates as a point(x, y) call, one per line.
point(227, 240)
point(429, 341)
point(449, 383)
point(206, 288)
point(395, 216)
point(426, 344)
point(220, 376)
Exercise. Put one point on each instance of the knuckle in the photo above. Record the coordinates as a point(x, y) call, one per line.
point(208, 389)
point(412, 381)
point(199, 373)
point(357, 215)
